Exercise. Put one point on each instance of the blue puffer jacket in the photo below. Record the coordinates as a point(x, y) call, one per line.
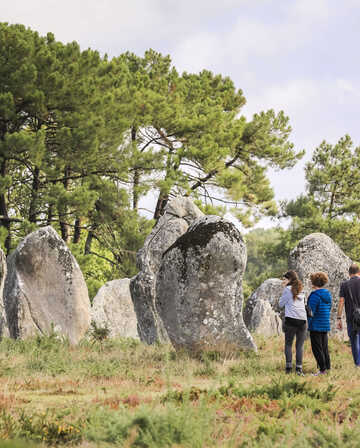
point(320, 302)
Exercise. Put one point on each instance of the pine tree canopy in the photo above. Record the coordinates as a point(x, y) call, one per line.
point(83, 138)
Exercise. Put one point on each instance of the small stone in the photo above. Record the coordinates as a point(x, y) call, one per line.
point(113, 308)
point(261, 312)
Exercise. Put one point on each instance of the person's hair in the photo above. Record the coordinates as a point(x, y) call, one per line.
point(354, 269)
point(319, 279)
point(294, 282)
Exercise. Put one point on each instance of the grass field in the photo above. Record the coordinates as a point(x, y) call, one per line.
point(123, 393)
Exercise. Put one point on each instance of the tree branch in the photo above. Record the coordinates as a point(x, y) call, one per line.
point(214, 172)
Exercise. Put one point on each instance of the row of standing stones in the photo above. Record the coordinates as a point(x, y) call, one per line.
point(188, 290)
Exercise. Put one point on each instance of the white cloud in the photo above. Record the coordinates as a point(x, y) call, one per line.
point(310, 10)
point(347, 91)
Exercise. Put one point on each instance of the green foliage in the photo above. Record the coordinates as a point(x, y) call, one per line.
point(49, 428)
point(84, 138)
point(207, 369)
point(280, 388)
point(98, 334)
point(173, 426)
point(267, 257)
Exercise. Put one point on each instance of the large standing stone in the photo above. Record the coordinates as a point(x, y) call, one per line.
point(45, 289)
point(4, 330)
point(262, 313)
point(178, 215)
point(318, 252)
point(199, 288)
point(113, 308)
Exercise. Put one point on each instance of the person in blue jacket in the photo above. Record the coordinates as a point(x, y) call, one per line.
point(320, 301)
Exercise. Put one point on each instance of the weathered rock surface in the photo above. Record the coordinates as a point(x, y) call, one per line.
point(318, 252)
point(199, 288)
point(261, 312)
point(113, 308)
point(45, 289)
point(179, 214)
point(4, 330)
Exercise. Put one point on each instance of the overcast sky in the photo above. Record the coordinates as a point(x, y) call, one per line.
point(300, 56)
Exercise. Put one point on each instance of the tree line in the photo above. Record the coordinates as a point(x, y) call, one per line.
point(84, 138)
point(330, 204)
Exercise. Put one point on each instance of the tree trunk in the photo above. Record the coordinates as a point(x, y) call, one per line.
point(4, 212)
point(160, 205)
point(136, 176)
point(88, 243)
point(136, 182)
point(34, 195)
point(50, 214)
point(77, 230)
point(64, 226)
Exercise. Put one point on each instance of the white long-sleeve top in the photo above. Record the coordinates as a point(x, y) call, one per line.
point(293, 308)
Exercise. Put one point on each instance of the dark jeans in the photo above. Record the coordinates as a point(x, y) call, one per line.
point(320, 349)
point(290, 333)
point(355, 343)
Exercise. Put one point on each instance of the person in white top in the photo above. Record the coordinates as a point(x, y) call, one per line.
point(293, 300)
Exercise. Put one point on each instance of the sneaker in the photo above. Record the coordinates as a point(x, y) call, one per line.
point(319, 373)
point(299, 371)
point(288, 370)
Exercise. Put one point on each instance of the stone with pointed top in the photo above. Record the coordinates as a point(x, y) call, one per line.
point(45, 290)
point(179, 213)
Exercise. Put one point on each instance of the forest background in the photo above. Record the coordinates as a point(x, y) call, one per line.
point(84, 138)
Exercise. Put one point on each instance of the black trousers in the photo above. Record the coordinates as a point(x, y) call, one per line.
point(320, 349)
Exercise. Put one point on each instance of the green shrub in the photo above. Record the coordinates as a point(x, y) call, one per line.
point(101, 368)
point(280, 388)
point(206, 370)
point(49, 428)
point(183, 426)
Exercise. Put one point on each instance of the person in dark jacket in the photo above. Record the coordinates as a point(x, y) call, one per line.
point(320, 301)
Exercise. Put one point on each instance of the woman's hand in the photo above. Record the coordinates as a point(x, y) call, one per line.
point(339, 324)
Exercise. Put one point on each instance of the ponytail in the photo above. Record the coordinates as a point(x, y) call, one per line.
point(294, 282)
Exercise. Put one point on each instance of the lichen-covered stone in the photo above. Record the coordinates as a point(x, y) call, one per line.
point(45, 289)
point(178, 214)
point(261, 312)
point(318, 252)
point(199, 288)
point(113, 308)
point(4, 330)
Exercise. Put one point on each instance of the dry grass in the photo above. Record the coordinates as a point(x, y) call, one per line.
point(122, 393)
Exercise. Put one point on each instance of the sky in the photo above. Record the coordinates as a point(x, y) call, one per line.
point(299, 56)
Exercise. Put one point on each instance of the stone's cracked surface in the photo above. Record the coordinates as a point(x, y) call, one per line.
point(318, 252)
point(112, 307)
point(178, 214)
point(45, 289)
point(261, 312)
point(199, 288)
point(4, 330)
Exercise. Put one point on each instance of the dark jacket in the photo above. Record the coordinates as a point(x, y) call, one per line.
point(320, 303)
